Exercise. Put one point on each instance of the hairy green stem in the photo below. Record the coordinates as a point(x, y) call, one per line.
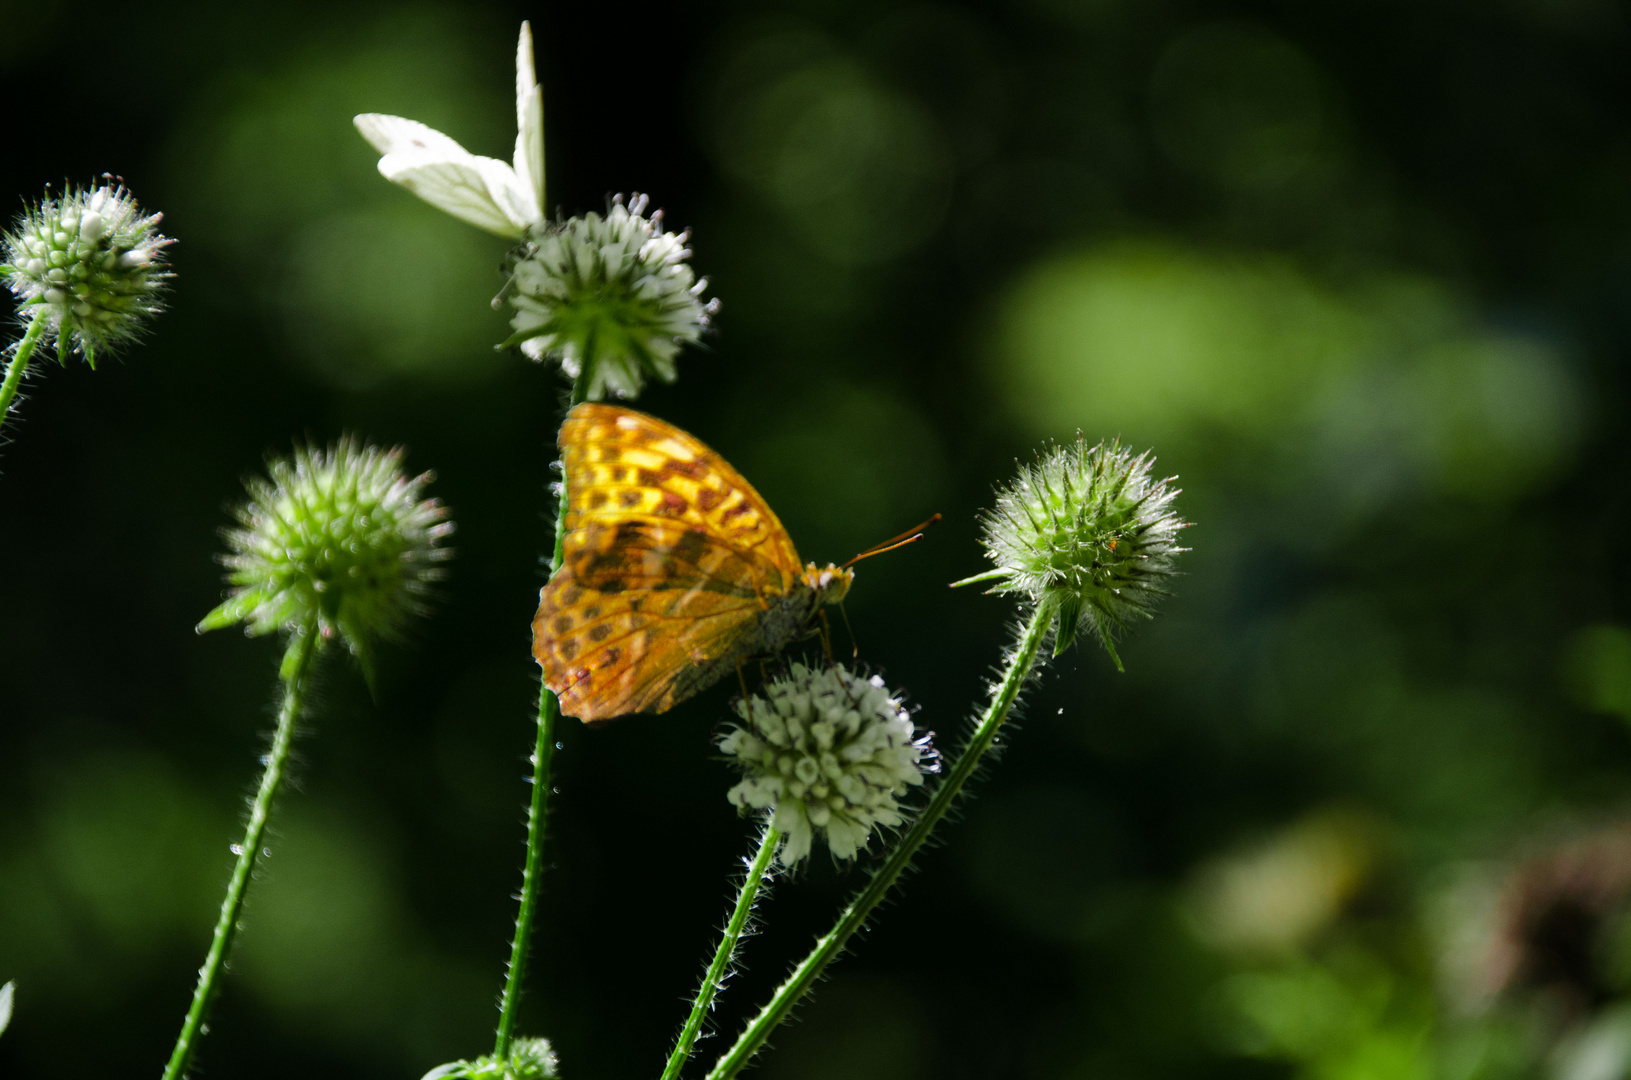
point(715, 977)
point(19, 361)
point(296, 663)
point(543, 753)
point(830, 945)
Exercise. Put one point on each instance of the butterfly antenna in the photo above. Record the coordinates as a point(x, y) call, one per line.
point(909, 536)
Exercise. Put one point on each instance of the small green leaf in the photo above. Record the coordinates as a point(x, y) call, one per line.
point(1110, 647)
point(231, 611)
point(453, 1070)
point(989, 575)
point(1070, 616)
point(294, 656)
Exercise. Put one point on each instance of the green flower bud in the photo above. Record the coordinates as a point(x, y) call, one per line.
point(612, 294)
point(827, 752)
point(338, 540)
point(1087, 533)
point(94, 262)
point(530, 1059)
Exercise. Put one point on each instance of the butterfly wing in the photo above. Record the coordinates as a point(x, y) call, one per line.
point(483, 191)
point(669, 561)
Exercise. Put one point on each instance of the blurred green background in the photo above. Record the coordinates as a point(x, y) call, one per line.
point(1359, 272)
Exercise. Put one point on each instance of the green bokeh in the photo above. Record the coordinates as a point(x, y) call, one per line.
point(1357, 274)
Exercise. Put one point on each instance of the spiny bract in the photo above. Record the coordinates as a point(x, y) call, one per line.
point(1087, 532)
point(335, 540)
point(93, 263)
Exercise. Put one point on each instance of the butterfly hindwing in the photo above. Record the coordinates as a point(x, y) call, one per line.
point(623, 652)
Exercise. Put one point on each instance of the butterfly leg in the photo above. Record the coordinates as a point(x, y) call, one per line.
point(747, 699)
point(854, 645)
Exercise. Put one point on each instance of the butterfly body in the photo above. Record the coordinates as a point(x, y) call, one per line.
point(673, 570)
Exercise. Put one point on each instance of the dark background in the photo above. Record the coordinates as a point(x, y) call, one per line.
point(1358, 272)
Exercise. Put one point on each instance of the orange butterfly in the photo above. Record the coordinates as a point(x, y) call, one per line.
point(673, 570)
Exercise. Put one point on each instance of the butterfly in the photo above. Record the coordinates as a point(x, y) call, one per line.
point(673, 570)
point(490, 194)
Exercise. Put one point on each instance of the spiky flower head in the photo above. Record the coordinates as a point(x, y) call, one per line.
point(92, 263)
point(529, 1059)
point(338, 541)
point(612, 294)
point(1088, 533)
point(827, 752)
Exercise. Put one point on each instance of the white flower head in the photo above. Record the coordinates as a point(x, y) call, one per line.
point(827, 752)
point(612, 295)
point(489, 194)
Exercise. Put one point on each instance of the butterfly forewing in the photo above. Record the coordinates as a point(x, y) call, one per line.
point(622, 465)
point(669, 560)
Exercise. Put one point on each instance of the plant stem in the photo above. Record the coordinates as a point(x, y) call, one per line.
point(827, 948)
point(19, 361)
point(296, 662)
point(715, 977)
point(543, 753)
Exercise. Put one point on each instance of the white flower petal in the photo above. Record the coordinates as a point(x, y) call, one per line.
point(458, 186)
point(529, 119)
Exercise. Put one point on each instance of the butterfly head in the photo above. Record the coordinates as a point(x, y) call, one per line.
point(830, 583)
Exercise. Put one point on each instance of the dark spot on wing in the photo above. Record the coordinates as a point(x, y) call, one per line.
point(600, 631)
point(694, 469)
point(689, 547)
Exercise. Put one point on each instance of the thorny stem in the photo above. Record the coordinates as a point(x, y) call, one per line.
point(715, 978)
point(832, 943)
point(19, 361)
point(296, 662)
point(549, 710)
